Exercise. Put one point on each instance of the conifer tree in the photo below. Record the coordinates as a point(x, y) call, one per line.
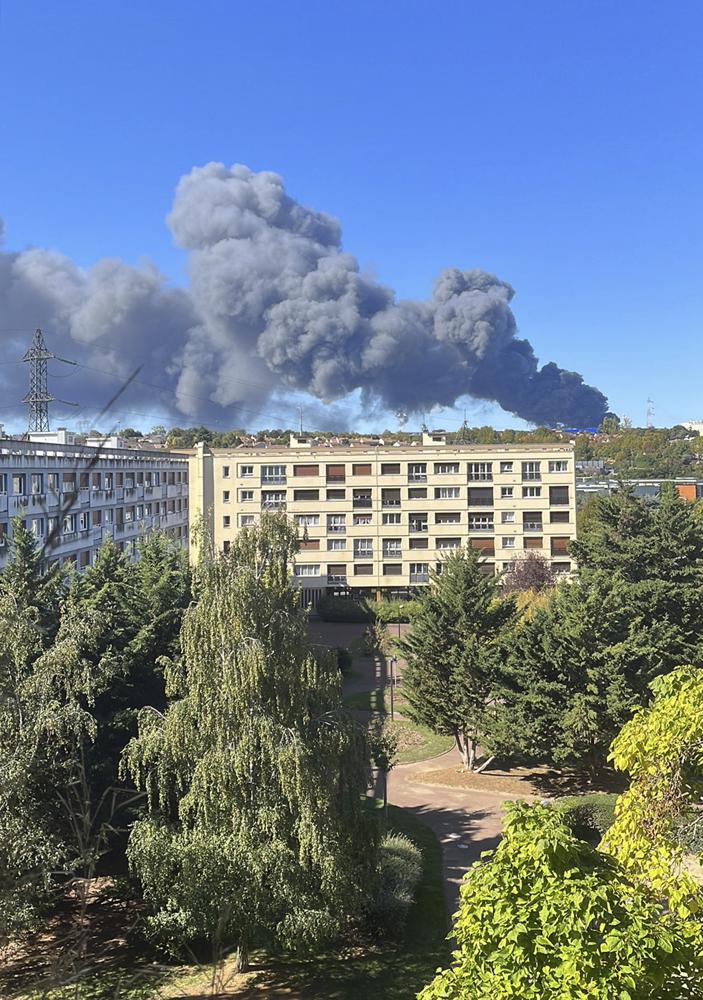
point(451, 652)
point(254, 774)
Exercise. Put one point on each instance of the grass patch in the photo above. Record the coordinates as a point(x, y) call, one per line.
point(416, 743)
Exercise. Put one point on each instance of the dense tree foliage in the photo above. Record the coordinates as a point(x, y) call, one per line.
point(255, 773)
point(531, 572)
point(545, 916)
point(451, 652)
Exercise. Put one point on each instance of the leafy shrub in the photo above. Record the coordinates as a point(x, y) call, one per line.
point(688, 831)
point(343, 609)
point(389, 612)
point(590, 816)
point(399, 871)
point(344, 659)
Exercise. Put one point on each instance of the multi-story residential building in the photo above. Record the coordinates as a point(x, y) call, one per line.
point(375, 519)
point(73, 495)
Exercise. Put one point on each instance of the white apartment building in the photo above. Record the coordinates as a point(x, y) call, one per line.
point(376, 519)
point(72, 496)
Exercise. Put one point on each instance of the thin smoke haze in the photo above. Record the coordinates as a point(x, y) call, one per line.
point(275, 304)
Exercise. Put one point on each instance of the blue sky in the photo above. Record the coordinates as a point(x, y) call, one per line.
point(556, 144)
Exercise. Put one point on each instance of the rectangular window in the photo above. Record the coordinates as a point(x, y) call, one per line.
point(533, 541)
point(245, 496)
point(531, 470)
point(419, 572)
point(450, 517)
point(419, 543)
point(336, 544)
point(37, 482)
point(532, 520)
point(3, 482)
point(226, 521)
point(363, 548)
point(417, 523)
point(390, 468)
point(225, 471)
point(361, 469)
point(486, 546)
point(507, 517)
point(273, 475)
point(361, 519)
point(392, 569)
point(273, 498)
point(361, 498)
point(417, 472)
point(307, 520)
point(559, 465)
point(480, 496)
point(336, 572)
point(335, 474)
point(392, 518)
point(18, 484)
point(417, 493)
point(532, 491)
point(336, 524)
point(246, 520)
point(559, 495)
point(506, 492)
point(38, 527)
point(481, 522)
point(480, 471)
point(508, 542)
point(506, 467)
point(448, 543)
point(561, 567)
point(363, 569)
point(447, 492)
point(446, 468)
point(559, 516)
point(336, 494)
point(306, 569)
point(309, 544)
point(390, 498)
point(225, 546)
point(391, 548)
point(225, 495)
point(246, 471)
point(306, 470)
point(560, 546)
point(302, 496)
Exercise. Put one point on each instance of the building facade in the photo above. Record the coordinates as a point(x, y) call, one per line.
point(73, 496)
point(376, 519)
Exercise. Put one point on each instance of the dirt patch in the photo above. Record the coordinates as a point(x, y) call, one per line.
point(531, 782)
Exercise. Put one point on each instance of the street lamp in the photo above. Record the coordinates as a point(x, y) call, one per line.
point(391, 663)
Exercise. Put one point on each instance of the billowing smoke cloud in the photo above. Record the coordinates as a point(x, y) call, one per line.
point(275, 304)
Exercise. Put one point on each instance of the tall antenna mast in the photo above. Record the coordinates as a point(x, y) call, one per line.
point(650, 412)
point(300, 411)
point(38, 397)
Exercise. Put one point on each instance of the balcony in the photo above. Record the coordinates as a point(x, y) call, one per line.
point(336, 529)
point(419, 577)
point(360, 502)
point(271, 481)
point(532, 526)
point(273, 504)
point(416, 527)
point(489, 526)
point(392, 554)
point(417, 477)
point(335, 479)
point(363, 553)
point(336, 578)
point(390, 503)
point(531, 477)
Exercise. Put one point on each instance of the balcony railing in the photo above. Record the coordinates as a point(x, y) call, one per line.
point(336, 529)
point(362, 502)
point(273, 480)
point(273, 504)
point(481, 527)
point(336, 479)
point(480, 477)
point(337, 578)
point(417, 526)
point(532, 526)
point(419, 577)
point(417, 477)
point(363, 553)
point(390, 503)
point(392, 554)
point(531, 477)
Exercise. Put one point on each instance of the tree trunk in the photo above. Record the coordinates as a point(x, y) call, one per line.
point(241, 957)
point(463, 747)
point(472, 754)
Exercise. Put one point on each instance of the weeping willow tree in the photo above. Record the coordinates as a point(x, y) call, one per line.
point(254, 775)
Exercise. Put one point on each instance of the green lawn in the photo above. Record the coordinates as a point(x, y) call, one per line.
point(415, 743)
point(384, 971)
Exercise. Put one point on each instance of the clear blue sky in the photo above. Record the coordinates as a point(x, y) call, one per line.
point(557, 144)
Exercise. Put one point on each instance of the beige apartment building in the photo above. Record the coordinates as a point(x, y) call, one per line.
point(374, 519)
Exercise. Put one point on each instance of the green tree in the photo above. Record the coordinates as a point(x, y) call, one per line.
point(28, 579)
point(451, 652)
point(545, 917)
point(255, 773)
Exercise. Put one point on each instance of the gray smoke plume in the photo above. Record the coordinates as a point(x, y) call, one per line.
point(274, 303)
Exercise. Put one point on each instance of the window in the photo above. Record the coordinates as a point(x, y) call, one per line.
point(486, 546)
point(336, 524)
point(559, 516)
point(447, 492)
point(3, 482)
point(390, 498)
point(336, 544)
point(481, 522)
point(480, 496)
point(417, 472)
point(245, 496)
point(391, 547)
point(306, 569)
point(225, 546)
point(533, 541)
point(336, 572)
point(559, 495)
point(417, 493)
point(309, 544)
point(246, 471)
point(560, 465)
point(480, 471)
point(419, 572)
point(390, 468)
point(392, 569)
point(419, 543)
point(37, 482)
point(532, 520)
point(226, 520)
point(506, 467)
point(306, 470)
point(561, 567)
point(18, 485)
point(335, 474)
point(532, 491)
point(69, 524)
point(363, 548)
point(361, 469)
point(301, 496)
point(307, 520)
point(448, 543)
point(531, 470)
point(273, 498)
point(392, 518)
point(363, 569)
point(225, 495)
point(362, 519)
point(446, 468)
point(246, 520)
point(451, 517)
point(417, 522)
point(560, 546)
point(37, 527)
point(273, 475)
point(225, 471)
point(507, 517)
point(336, 494)
point(506, 492)
point(508, 542)
point(361, 498)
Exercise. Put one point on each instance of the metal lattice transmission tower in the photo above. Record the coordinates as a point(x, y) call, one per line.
point(38, 397)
